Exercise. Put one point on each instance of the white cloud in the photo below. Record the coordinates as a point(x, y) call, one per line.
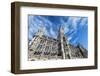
point(46, 23)
point(74, 21)
point(83, 21)
point(52, 33)
point(69, 38)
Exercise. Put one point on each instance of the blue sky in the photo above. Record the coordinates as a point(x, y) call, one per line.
point(75, 27)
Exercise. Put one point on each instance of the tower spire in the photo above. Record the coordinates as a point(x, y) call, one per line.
point(60, 37)
point(40, 31)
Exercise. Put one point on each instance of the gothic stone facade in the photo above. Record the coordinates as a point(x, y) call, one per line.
point(45, 48)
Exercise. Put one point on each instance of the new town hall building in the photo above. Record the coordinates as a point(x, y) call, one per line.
point(45, 48)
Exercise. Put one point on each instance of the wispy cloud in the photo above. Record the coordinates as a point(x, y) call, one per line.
point(69, 38)
point(84, 21)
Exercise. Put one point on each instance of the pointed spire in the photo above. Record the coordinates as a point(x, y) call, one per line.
point(40, 31)
point(62, 29)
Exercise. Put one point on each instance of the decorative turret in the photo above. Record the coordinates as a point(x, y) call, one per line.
point(40, 31)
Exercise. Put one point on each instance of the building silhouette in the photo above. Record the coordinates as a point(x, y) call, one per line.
point(42, 47)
